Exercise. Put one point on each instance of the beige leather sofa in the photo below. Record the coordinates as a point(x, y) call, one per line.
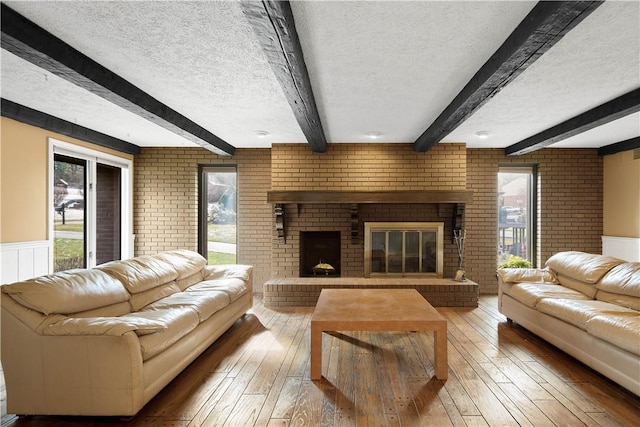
point(587, 305)
point(104, 341)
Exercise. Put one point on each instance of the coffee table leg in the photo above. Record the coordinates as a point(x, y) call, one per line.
point(442, 364)
point(316, 352)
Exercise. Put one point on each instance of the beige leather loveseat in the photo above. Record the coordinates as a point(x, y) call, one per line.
point(587, 305)
point(104, 341)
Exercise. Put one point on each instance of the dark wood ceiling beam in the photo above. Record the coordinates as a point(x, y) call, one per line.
point(544, 26)
point(598, 116)
point(273, 24)
point(626, 145)
point(32, 43)
point(18, 112)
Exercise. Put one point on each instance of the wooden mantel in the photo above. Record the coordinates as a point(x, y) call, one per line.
point(351, 197)
point(354, 198)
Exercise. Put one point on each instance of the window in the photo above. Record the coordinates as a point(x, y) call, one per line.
point(403, 248)
point(91, 215)
point(217, 213)
point(516, 213)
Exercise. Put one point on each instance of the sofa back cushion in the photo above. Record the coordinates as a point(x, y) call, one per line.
point(577, 285)
point(588, 268)
point(141, 273)
point(621, 285)
point(142, 299)
point(68, 292)
point(188, 264)
point(148, 278)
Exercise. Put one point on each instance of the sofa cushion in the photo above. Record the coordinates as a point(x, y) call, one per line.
point(113, 310)
point(68, 291)
point(188, 265)
point(177, 323)
point(578, 312)
point(624, 280)
point(622, 300)
point(142, 299)
point(586, 288)
point(141, 273)
point(585, 267)
point(622, 330)
point(530, 293)
point(189, 280)
point(205, 304)
point(235, 288)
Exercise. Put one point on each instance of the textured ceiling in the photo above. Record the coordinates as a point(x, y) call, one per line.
point(596, 62)
point(389, 67)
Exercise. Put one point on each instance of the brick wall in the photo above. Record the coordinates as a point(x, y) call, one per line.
point(368, 167)
point(569, 206)
point(570, 188)
point(166, 202)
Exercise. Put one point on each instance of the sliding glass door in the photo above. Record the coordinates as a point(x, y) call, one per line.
point(91, 207)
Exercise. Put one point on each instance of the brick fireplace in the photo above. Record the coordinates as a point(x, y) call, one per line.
point(362, 168)
point(354, 184)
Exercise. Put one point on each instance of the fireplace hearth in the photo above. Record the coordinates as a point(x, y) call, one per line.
point(317, 249)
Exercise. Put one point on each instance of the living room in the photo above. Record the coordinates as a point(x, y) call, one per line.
point(582, 194)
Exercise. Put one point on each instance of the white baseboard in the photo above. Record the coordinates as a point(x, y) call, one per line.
point(24, 260)
point(626, 248)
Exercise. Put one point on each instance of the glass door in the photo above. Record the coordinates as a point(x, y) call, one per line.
point(403, 248)
point(516, 189)
point(70, 219)
point(218, 214)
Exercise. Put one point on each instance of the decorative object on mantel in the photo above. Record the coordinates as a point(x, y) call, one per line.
point(278, 211)
point(323, 268)
point(459, 237)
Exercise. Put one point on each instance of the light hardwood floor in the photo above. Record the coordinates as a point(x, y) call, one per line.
point(257, 374)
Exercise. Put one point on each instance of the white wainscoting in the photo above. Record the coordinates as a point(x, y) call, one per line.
point(24, 260)
point(626, 248)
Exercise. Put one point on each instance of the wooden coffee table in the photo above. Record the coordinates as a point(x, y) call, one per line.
point(376, 310)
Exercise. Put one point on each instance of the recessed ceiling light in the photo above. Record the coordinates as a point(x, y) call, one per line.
point(374, 134)
point(483, 134)
point(262, 133)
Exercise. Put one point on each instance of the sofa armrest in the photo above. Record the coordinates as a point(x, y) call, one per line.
point(228, 271)
point(529, 275)
point(62, 375)
point(112, 326)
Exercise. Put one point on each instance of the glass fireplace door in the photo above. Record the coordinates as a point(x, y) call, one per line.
point(403, 249)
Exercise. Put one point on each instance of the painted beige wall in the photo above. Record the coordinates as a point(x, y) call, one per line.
point(23, 179)
point(621, 195)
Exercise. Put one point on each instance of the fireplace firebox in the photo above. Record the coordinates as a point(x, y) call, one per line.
point(319, 247)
